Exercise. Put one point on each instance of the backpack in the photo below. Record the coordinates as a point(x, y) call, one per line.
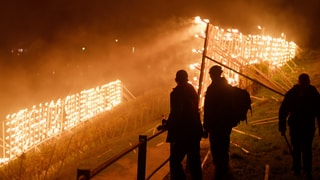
point(241, 103)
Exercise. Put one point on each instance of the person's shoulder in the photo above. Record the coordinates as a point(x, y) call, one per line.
point(314, 89)
point(190, 86)
point(180, 88)
point(210, 87)
point(290, 93)
point(294, 89)
point(174, 90)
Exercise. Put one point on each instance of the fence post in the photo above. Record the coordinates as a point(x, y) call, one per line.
point(142, 156)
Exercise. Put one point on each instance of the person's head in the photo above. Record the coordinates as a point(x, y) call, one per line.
point(304, 79)
point(181, 77)
point(215, 71)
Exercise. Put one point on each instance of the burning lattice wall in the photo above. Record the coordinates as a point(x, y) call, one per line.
point(30, 127)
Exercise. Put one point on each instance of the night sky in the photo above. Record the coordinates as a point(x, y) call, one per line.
point(30, 22)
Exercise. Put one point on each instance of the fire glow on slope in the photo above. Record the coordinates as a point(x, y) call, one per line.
point(29, 127)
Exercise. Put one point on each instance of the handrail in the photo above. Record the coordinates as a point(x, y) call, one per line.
point(86, 174)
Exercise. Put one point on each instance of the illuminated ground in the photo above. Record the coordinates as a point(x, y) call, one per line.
point(261, 152)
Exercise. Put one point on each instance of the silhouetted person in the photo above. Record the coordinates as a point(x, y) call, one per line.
point(184, 129)
point(301, 106)
point(217, 106)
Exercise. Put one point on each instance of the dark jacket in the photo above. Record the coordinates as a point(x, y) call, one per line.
point(184, 119)
point(301, 105)
point(217, 107)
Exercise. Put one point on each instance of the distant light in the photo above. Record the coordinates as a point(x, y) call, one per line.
point(116, 40)
point(198, 20)
point(83, 48)
point(206, 20)
point(194, 66)
point(235, 30)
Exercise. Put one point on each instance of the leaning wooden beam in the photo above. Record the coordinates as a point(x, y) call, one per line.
point(266, 174)
point(275, 99)
point(242, 148)
point(266, 119)
point(251, 135)
point(266, 122)
point(205, 159)
point(258, 98)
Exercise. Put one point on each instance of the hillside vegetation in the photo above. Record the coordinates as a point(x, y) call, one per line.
point(257, 148)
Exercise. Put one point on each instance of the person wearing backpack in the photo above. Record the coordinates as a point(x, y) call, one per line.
point(217, 121)
point(184, 129)
point(301, 106)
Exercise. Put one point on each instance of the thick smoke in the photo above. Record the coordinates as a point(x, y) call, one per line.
point(80, 59)
point(74, 45)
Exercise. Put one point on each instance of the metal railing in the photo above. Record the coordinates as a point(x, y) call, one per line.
point(88, 173)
